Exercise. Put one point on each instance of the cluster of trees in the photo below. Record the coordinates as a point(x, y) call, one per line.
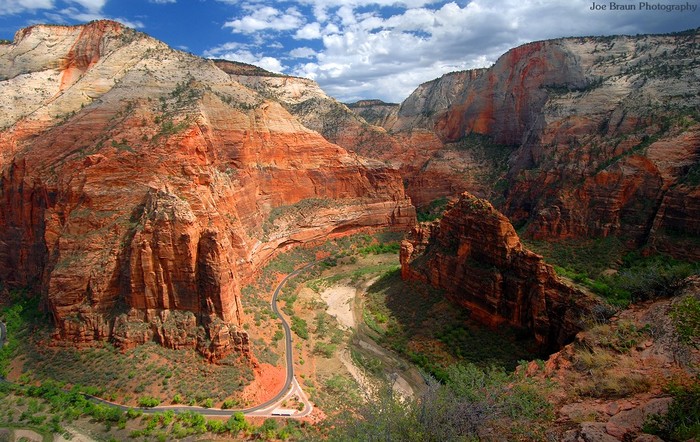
point(471, 404)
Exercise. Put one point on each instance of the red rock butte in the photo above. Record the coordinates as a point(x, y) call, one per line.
point(475, 255)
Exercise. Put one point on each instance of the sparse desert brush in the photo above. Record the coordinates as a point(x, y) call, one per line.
point(621, 337)
point(586, 359)
point(682, 420)
point(686, 320)
point(610, 385)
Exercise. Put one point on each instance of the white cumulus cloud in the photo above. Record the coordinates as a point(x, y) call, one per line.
point(266, 18)
point(302, 52)
point(309, 31)
point(385, 48)
point(18, 6)
point(91, 5)
point(244, 53)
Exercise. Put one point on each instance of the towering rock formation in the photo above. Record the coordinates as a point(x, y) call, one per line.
point(474, 254)
point(141, 186)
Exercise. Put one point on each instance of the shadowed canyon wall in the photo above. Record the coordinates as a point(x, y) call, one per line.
point(474, 254)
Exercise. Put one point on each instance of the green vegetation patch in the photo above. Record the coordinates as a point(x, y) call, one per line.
point(682, 421)
point(49, 407)
point(609, 269)
point(20, 318)
point(472, 404)
point(686, 319)
point(420, 323)
point(432, 211)
point(380, 248)
point(127, 376)
point(300, 327)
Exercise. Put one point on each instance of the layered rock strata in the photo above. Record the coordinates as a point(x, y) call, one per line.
point(575, 137)
point(142, 186)
point(475, 256)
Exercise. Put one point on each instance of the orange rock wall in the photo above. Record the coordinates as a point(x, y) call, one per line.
point(142, 210)
point(475, 256)
point(604, 139)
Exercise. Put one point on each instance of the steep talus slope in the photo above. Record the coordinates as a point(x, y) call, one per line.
point(141, 187)
point(474, 254)
point(617, 375)
point(575, 137)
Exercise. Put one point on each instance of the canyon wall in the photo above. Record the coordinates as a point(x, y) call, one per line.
point(475, 256)
point(573, 138)
point(142, 187)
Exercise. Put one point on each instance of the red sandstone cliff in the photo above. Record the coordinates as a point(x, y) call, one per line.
point(578, 138)
point(474, 254)
point(141, 187)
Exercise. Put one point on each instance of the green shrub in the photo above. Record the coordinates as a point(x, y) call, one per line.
point(237, 423)
point(321, 324)
point(133, 414)
point(682, 421)
point(148, 401)
point(300, 327)
point(325, 350)
point(686, 319)
point(268, 429)
point(216, 427)
point(229, 404)
point(648, 278)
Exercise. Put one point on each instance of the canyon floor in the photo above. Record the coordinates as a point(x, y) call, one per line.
point(357, 328)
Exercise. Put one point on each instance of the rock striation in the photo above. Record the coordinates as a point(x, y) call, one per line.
point(375, 112)
point(142, 187)
point(574, 137)
point(475, 255)
point(337, 122)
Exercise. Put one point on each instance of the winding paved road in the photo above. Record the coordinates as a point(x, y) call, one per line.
point(268, 408)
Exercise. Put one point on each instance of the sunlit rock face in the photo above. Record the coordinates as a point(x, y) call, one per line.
point(142, 186)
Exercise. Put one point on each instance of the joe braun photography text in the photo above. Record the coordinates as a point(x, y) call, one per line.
point(645, 6)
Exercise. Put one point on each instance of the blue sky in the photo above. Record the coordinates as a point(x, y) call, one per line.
point(355, 48)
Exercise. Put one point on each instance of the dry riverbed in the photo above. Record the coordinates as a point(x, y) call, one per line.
point(343, 298)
